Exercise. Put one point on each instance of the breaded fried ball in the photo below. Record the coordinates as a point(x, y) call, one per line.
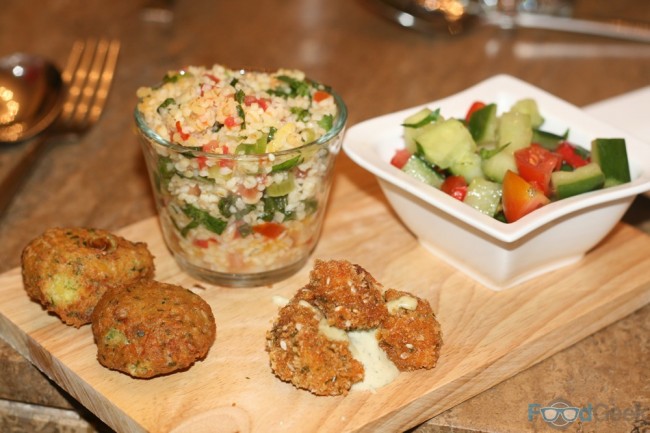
point(348, 296)
point(151, 328)
point(302, 354)
point(67, 270)
point(315, 341)
point(410, 334)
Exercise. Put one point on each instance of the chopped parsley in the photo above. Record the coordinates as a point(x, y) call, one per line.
point(326, 122)
point(166, 103)
point(272, 131)
point(240, 113)
point(164, 173)
point(276, 204)
point(200, 217)
point(301, 113)
point(226, 204)
point(239, 96)
point(174, 77)
point(216, 126)
point(292, 87)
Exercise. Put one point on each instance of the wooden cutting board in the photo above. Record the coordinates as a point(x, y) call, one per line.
point(489, 336)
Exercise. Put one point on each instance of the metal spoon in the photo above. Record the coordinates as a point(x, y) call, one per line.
point(31, 96)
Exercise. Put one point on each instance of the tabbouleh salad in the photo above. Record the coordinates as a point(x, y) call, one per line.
point(241, 163)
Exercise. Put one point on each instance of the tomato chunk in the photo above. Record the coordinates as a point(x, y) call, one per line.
point(320, 95)
point(520, 197)
point(230, 122)
point(213, 77)
point(535, 164)
point(204, 243)
point(455, 186)
point(202, 161)
point(400, 158)
point(262, 102)
point(270, 230)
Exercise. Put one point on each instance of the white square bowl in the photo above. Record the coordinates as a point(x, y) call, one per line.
point(497, 254)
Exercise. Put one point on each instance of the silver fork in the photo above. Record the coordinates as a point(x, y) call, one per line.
point(88, 75)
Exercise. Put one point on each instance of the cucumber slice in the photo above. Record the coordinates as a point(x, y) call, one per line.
point(483, 124)
point(415, 125)
point(529, 106)
point(611, 155)
point(468, 166)
point(445, 142)
point(515, 130)
point(495, 167)
point(583, 179)
point(422, 171)
point(484, 196)
point(548, 140)
point(284, 187)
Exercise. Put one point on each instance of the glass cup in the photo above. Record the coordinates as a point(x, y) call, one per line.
point(241, 220)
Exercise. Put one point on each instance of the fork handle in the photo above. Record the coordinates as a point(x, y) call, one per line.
point(19, 173)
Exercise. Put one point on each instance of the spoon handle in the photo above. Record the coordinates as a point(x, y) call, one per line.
point(16, 177)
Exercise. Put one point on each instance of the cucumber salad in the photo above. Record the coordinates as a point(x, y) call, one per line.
point(507, 165)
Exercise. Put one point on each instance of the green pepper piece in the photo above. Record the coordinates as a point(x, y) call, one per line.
point(287, 165)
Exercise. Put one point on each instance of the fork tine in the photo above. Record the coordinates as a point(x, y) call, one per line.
point(89, 87)
point(71, 106)
point(68, 75)
point(105, 81)
point(73, 61)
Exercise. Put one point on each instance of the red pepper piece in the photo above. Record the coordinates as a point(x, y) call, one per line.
point(569, 155)
point(179, 129)
point(400, 158)
point(455, 186)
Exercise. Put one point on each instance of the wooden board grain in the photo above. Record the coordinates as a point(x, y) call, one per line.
point(489, 336)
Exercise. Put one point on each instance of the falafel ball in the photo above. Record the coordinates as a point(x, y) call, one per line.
point(67, 270)
point(410, 334)
point(150, 328)
point(348, 296)
point(314, 343)
point(301, 353)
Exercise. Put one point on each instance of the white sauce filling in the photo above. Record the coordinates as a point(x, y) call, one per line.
point(379, 370)
point(280, 301)
point(406, 302)
point(332, 332)
point(364, 346)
